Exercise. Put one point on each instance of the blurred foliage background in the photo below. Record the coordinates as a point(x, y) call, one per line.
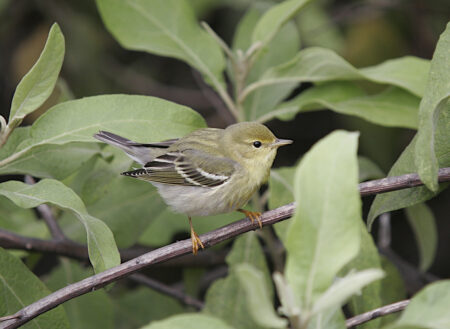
point(364, 32)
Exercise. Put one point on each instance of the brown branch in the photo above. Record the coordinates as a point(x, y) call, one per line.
point(373, 314)
point(167, 290)
point(74, 250)
point(398, 182)
point(179, 248)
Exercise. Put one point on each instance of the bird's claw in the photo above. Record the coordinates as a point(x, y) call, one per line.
point(252, 215)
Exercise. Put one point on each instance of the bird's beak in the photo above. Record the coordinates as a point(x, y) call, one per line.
point(280, 142)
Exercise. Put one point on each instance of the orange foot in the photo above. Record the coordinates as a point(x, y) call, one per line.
point(196, 242)
point(252, 215)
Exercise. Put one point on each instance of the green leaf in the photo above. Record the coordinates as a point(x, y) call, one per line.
point(392, 289)
point(405, 72)
point(225, 298)
point(280, 49)
point(343, 288)
point(429, 308)
point(319, 64)
point(257, 298)
point(393, 107)
point(435, 99)
point(37, 85)
point(289, 306)
point(132, 311)
point(281, 192)
point(90, 311)
point(19, 287)
point(370, 298)
point(103, 252)
point(52, 161)
point(189, 321)
point(140, 118)
point(405, 164)
point(422, 221)
point(167, 28)
point(324, 234)
point(273, 20)
point(368, 169)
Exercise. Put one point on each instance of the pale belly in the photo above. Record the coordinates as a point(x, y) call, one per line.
point(201, 201)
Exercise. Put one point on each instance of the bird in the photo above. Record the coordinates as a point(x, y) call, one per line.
point(207, 172)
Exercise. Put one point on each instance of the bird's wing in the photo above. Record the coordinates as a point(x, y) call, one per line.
point(188, 168)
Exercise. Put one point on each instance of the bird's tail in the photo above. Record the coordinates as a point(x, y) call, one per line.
point(142, 153)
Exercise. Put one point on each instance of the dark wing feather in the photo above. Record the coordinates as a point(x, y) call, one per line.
point(188, 168)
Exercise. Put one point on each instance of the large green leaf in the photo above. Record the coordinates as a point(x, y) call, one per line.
point(167, 28)
point(226, 298)
point(405, 164)
point(428, 309)
point(435, 99)
point(422, 221)
point(257, 299)
point(392, 107)
point(52, 161)
point(319, 64)
point(141, 118)
point(90, 311)
point(37, 85)
point(269, 24)
point(19, 287)
point(21, 221)
point(103, 252)
point(189, 321)
point(324, 234)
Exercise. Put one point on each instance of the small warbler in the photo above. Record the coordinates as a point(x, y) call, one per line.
point(210, 171)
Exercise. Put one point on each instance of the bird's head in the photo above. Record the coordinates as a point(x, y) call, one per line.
point(252, 144)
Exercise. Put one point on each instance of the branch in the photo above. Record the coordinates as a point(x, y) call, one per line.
point(381, 311)
point(74, 250)
point(398, 182)
point(167, 290)
point(183, 247)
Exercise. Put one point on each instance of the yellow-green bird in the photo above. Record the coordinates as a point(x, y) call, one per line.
point(209, 171)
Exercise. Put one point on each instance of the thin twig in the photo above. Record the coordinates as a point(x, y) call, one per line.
point(167, 290)
point(74, 250)
point(183, 247)
point(373, 314)
point(398, 182)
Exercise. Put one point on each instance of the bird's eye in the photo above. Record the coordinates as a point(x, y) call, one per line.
point(257, 144)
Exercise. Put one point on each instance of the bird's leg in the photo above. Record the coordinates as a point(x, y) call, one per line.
point(253, 215)
point(195, 239)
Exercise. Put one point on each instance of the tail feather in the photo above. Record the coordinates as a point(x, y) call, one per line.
point(139, 152)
